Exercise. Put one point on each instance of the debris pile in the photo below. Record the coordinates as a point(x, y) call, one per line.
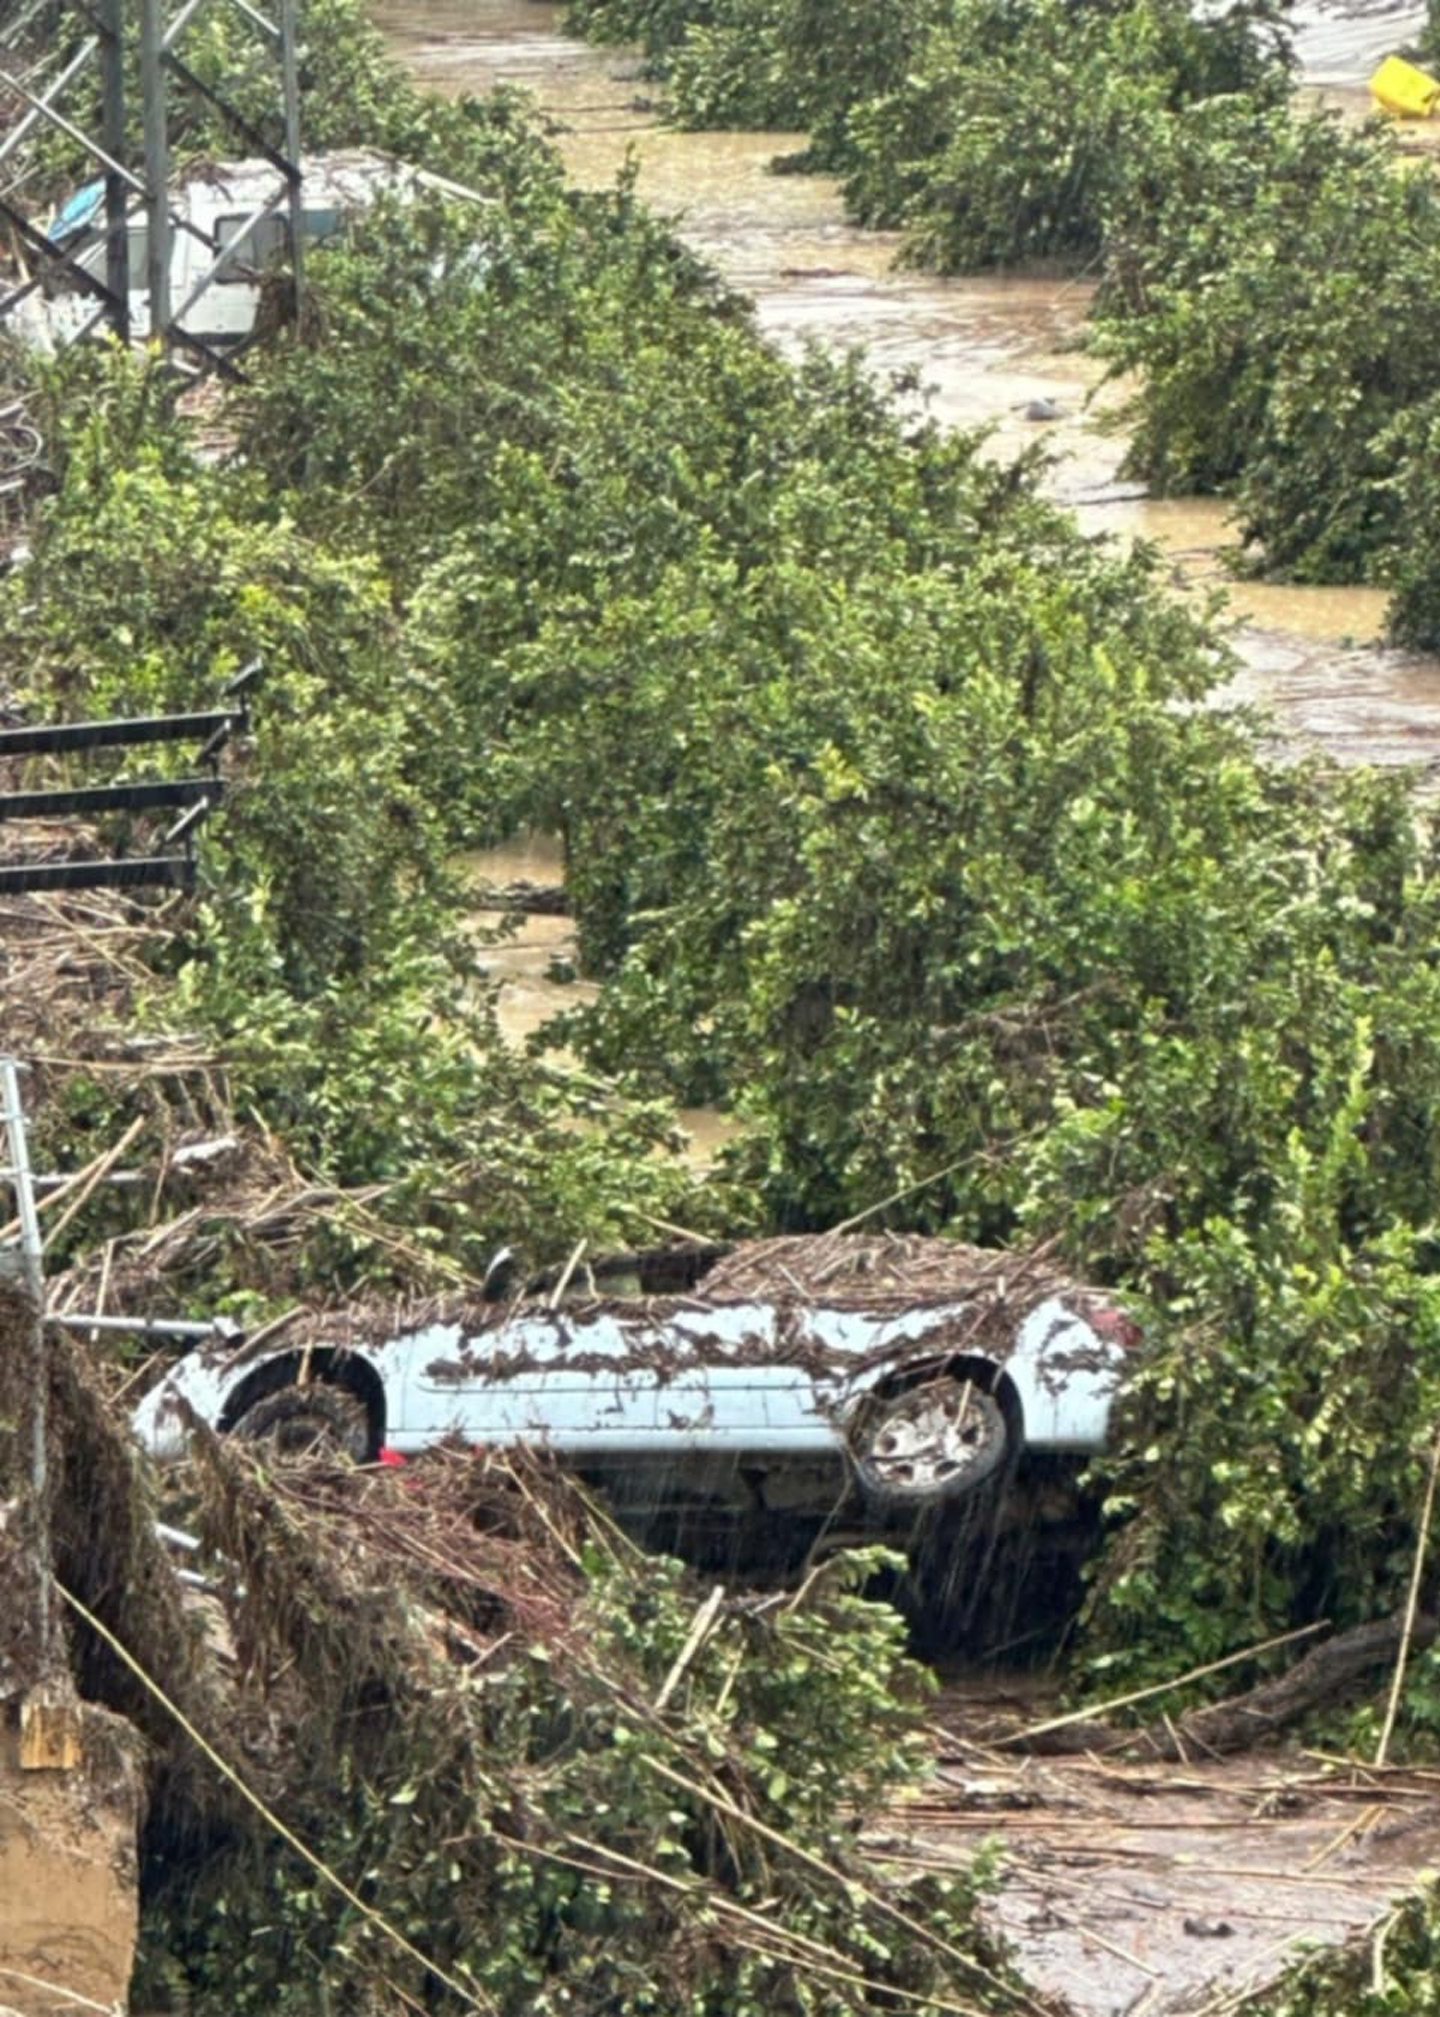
point(440, 1738)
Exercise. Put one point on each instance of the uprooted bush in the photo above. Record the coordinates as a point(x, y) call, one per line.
point(534, 1770)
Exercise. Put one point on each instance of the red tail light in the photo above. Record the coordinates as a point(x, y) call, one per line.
point(1117, 1327)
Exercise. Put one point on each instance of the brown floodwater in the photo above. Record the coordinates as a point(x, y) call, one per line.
point(984, 348)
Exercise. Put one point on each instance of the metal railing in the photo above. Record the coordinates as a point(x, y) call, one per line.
point(172, 864)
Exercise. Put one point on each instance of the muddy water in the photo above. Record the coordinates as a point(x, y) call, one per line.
point(1127, 1887)
point(984, 347)
point(532, 964)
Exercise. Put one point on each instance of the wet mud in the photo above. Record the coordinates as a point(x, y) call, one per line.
point(1138, 1887)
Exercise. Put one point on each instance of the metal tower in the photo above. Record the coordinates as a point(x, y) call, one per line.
point(131, 147)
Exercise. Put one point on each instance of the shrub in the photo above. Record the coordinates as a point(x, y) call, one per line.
point(1280, 344)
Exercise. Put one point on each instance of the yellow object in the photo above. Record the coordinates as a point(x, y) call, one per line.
point(1402, 89)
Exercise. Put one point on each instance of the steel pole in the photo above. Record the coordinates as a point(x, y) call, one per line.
point(117, 232)
point(157, 165)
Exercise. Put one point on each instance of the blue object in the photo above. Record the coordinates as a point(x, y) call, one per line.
point(78, 214)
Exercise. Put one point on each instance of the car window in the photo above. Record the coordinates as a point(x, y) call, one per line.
point(139, 247)
point(265, 242)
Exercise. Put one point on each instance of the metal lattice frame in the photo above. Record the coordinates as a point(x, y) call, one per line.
point(135, 156)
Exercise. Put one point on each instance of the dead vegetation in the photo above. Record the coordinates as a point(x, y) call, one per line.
point(452, 1738)
point(183, 1192)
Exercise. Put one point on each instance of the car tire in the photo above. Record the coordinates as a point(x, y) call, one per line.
point(928, 1444)
point(318, 1420)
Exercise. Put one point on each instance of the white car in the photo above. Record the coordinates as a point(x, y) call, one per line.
point(788, 1369)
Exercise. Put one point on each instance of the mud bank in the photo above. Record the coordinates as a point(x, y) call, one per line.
point(68, 1874)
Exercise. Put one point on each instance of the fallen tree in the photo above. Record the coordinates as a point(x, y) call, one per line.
point(1320, 1681)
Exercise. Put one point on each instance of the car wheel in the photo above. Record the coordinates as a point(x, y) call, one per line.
point(319, 1420)
point(929, 1443)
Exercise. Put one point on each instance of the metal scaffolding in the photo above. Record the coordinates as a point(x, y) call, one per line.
point(132, 150)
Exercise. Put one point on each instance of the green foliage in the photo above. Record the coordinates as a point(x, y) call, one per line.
point(1396, 1973)
point(1282, 346)
point(1411, 449)
point(658, 25)
point(893, 812)
point(890, 819)
point(543, 1833)
point(1008, 138)
point(518, 384)
point(1252, 283)
point(327, 960)
point(155, 578)
point(732, 70)
point(796, 63)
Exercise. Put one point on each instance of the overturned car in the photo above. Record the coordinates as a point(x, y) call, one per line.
point(875, 1377)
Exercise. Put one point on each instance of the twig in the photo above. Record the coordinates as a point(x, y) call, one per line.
point(71, 1996)
point(1412, 1606)
point(570, 1266)
point(896, 1197)
point(1100, 1709)
point(700, 1631)
point(90, 1180)
point(1088, 1932)
point(1366, 1818)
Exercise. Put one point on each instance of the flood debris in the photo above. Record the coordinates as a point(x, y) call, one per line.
point(1157, 1887)
point(436, 1738)
point(1321, 1679)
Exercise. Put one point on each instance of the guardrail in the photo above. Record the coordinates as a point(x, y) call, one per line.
point(172, 863)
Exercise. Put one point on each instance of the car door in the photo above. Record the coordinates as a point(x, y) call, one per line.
point(605, 1384)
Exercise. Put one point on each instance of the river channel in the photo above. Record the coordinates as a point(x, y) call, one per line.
point(985, 347)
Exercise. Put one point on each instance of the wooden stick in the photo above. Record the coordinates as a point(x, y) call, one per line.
point(896, 1197)
point(570, 1266)
point(1366, 1818)
point(90, 1176)
point(70, 1996)
point(699, 1632)
point(1088, 1932)
point(1163, 1687)
point(1422, 1542)
point(97, 1175)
